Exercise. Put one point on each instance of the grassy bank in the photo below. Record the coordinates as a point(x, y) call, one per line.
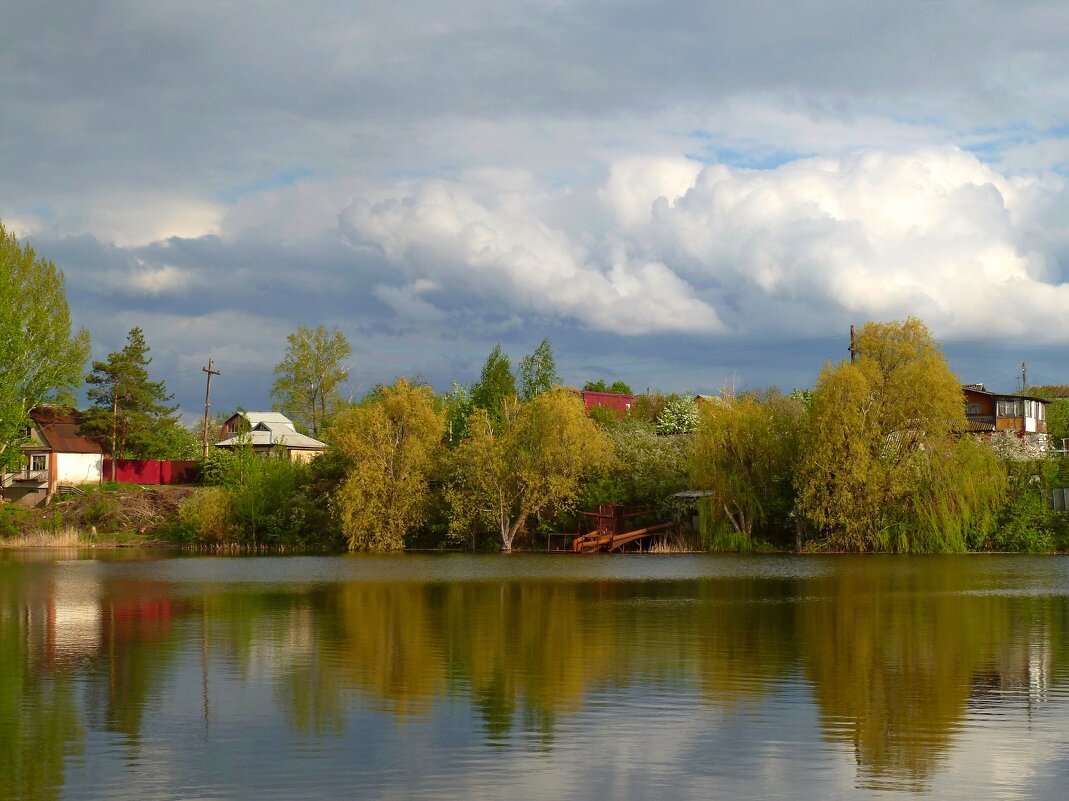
point(107, 516)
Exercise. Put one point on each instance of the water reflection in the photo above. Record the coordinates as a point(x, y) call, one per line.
point(896, 658)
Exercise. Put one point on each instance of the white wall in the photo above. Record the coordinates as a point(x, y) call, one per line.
point(78, 468)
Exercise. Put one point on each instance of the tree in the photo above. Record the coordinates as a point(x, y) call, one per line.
point(745, 452)
point(130, 412)
point(679, 416)
point(538, 371)
point(616, 387)
point(308, 379)
point(646, 468)
point(495, 385)
point(458, 408)
point(393, 442)
point(527, 464)
point(880, 462)
point(41, 358)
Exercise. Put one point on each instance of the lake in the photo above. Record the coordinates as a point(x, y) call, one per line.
point(135, 675)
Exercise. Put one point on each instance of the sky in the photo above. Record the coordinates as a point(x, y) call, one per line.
point(682, 195)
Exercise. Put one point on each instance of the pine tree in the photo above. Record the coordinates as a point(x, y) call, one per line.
point(131, 414)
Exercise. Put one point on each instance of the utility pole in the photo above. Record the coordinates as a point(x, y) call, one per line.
point(1024, 377)
point(208, 401)
point(114, 422)
point(853, 347)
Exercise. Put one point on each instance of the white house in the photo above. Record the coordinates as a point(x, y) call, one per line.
point(56, 453)
point(266, 432)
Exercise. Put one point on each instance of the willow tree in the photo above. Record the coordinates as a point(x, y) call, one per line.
point(881, 469)
point(527, 462)
point(392, 441)
point(745, 451)
point(41, 357)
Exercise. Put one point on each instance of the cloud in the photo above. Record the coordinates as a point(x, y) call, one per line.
point(502, 250)
point(686, 248)
point(933, 233)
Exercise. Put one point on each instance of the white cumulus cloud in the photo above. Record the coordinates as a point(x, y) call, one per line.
point(500, 248)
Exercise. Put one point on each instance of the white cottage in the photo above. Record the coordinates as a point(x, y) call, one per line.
point(268, 432)
point(57, 453)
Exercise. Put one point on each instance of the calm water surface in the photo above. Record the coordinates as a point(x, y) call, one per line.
point(526, 677)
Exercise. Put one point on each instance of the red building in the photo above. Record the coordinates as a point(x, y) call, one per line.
point(609, 400)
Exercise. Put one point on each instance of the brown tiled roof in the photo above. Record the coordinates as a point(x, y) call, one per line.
point(61, 429)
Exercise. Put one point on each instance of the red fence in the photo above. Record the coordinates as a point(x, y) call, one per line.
point(152, 471)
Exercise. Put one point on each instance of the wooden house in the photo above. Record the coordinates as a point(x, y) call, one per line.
point(997, 411)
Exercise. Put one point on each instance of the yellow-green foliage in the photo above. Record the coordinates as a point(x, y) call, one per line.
point(206, 514)
point(527, 462)
point(745, 449)
point(392, 441)
point(879, 466)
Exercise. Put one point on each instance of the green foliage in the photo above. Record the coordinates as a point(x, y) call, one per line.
point(204, 518)
point(745, 453)
point(41, 358)
point(960, 489)
point(616, 387)
point(458, 408)
point(1058, 420)
point(605, 417)
point(648, 407)
point(537, 373)
point(880, 471)
point(495, 386)
point(528, 464)
point(392, 444)
point(309, 377)
point(260, 501)
point(716, 531)
point(130, 413)
point(1026, 522)
point(645, 470)
point(679, 416)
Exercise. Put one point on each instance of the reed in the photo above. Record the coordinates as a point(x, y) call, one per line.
point(65, 537)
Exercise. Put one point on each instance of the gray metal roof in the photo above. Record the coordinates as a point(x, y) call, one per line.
point(267, 434)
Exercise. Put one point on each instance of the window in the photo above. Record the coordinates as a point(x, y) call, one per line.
point(1010, 408)
point(973, 408)
point(38, 462)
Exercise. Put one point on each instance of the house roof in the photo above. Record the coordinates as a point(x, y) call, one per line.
point(62, 431)
point(267, 434)
point(978, 389)
point(267, 417)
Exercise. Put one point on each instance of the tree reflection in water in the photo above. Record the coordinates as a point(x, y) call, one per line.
point(894, 651)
